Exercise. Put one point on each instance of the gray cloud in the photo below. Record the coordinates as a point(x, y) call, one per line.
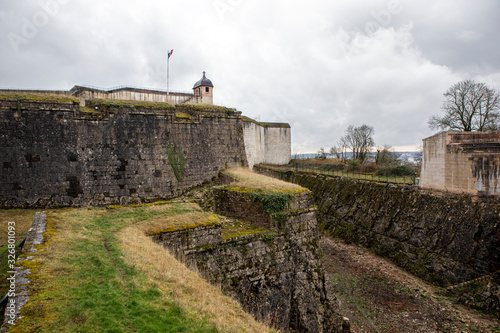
point(318, 65)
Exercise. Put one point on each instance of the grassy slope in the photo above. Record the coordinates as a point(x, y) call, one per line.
point(100, 273)
point(246, 179)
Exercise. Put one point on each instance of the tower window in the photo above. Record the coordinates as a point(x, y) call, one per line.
point(207, 89)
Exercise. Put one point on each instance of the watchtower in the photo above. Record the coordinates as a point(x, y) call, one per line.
point(203, 91)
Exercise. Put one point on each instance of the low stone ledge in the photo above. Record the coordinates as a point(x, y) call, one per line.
point(23, 284)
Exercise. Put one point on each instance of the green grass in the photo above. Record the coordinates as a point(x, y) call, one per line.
point(92, 290)
point(238, 227)
point(86, 279)
point(182, 115)
point(130, 103)
point(205, 107)
point(20, 96)
point(251, 182)
point(264, 124)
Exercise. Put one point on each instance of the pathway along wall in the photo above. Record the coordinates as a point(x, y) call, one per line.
point(52, 154)
point(441, 237)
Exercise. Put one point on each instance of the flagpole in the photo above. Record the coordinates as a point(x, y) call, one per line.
point(168, 70)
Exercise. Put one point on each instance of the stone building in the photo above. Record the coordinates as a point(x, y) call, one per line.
point(202, 93)
point(464, 162)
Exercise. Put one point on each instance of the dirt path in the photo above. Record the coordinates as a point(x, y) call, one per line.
point(377, 296)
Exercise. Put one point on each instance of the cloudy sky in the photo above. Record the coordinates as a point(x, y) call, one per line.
point(319, 65)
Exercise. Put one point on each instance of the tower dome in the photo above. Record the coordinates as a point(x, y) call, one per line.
point(203, 82)
point(203, 91)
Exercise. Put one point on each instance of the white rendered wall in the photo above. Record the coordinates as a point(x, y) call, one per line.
point(267, 144)
point(433, 161)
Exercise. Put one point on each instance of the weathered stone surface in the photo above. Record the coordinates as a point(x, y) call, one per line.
point(22, 281)
point(181, 240)
point(51, 154)
point(268, 143)
point(276, 277)
point(443, 238)
point(462, 162)
point(481, 294)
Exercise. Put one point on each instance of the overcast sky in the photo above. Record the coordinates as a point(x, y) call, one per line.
point(318, 65)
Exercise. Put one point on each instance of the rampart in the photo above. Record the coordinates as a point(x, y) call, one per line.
point(462, 162)
point(275, 275)
point(58, 154)
point(442, 237)
point(268, 143)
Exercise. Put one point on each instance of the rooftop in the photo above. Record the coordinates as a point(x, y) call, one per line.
point(203, 82)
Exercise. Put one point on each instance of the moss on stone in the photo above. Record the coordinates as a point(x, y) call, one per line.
point(206, 107)
point(264, 124)
point(237, 227)
point(29, 96)
point(212, 220)
point(130, 104)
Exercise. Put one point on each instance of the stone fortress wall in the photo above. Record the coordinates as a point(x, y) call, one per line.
point(57, 154)
point(462, 162)
point(51, 154)
point(267, 143)
point(445, 238)
point(276, 275)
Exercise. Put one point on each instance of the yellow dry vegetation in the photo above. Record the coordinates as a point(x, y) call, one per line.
point(53, 273)
point(184, 286)
point(48, 97)
point(22, 219)
point(254, 181)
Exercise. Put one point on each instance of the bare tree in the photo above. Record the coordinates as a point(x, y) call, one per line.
point(359, 140)
point(339, 150)
point(322, 153)
point(468, 106)
point(335, 151)
point(386, 156)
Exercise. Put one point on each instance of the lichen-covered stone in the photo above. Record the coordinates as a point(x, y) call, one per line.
point(51, 154)
point(276, 276)
point(23, 284)
point(442, 237)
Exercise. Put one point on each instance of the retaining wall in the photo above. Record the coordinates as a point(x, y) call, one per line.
point(52, 154)
point(276, 275)
point(442, 237)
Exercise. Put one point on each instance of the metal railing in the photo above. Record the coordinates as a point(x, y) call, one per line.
point(134, 87)
point(343, 171)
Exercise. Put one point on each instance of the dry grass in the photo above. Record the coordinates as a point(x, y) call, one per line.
point(168, 223)
point(20, 95)
point(99, 263)
point(131, 103)
point(185, 287)
point(23, 219)
point(253, 181)
point(205, 107)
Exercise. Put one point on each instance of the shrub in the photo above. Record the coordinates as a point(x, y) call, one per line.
point(398, 170)
point(352, 165)
point(330, 167)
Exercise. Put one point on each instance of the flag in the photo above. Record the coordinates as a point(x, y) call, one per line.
point(170, 53)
